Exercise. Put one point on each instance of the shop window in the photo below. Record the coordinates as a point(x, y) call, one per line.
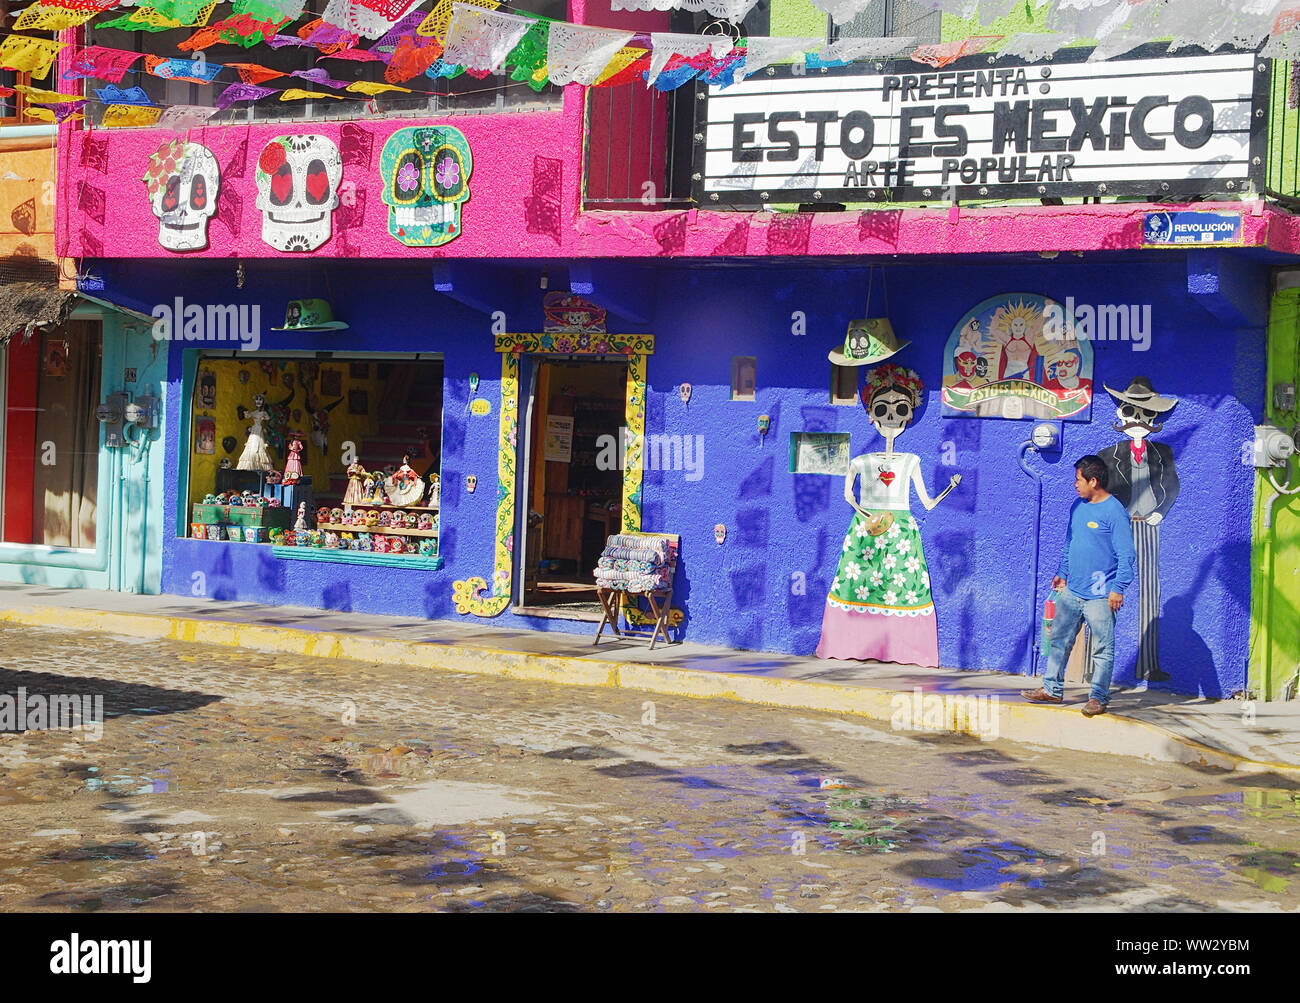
point(51, 389)
point(743, 377)
point(844, 384)
point(369, 464)
point(897, 19)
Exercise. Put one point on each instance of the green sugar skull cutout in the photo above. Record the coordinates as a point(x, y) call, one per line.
point(426, 178)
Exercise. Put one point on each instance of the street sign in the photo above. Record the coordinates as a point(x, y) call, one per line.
point(1175, 229)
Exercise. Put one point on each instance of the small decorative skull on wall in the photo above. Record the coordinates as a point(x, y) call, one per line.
point(720, 533)
point(471, 482)
point(298, 181)
point(183, 181)
point(426, 179)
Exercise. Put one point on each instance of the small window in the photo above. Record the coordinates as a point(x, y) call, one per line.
point(743, 368)
point(844, 384)
point(819, 453)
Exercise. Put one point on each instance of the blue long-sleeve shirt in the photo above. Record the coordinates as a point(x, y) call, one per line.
point(1099, 555)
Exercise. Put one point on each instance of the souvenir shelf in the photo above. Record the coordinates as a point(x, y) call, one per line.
point(340, 527)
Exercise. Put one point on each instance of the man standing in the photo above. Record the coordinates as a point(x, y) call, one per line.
point(1143, 479)
point(1096, 568)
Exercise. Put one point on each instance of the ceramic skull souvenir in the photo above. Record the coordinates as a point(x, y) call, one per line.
point(183, 181)
point(298, 181)
point(425, 172)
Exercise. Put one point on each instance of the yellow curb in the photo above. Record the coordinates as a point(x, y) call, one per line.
point(1058, 727)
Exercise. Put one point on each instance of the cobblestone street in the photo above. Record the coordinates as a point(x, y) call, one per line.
point(227, 781)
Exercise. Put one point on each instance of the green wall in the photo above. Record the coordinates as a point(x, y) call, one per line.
point(796, 19)
point(1275, 580)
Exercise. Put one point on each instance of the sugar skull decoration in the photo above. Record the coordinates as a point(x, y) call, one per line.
point(471, 482)
point(720, 534)
point(183, 181)
point(298, 180)
point(685, 391)
point(891, 395)
point(425, 172)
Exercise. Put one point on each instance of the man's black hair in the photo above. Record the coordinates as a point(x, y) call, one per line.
point(1093, 468)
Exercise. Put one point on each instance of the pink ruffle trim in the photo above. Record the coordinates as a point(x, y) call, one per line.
point(907, 640)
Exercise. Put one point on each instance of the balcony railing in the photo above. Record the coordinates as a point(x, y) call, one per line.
point(638, 148)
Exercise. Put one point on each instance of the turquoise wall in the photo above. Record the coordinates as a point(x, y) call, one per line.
point(128, 550)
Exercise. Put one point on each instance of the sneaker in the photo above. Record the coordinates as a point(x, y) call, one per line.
point(1039, 695)
point(1092, 708)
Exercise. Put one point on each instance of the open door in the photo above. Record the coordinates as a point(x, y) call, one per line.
point(571, 498)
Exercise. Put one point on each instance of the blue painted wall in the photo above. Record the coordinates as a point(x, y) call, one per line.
point(1207, 349)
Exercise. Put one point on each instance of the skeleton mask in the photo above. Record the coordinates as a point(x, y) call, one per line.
point(471, 482)
point(183, 181)
point(298, 181)
point(1137, 422)
point(891, 411)
point(426, 178)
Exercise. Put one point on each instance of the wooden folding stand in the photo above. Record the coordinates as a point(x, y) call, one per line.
point(660, 609)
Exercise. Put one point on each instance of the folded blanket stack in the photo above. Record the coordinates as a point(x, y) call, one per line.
point(635, 564)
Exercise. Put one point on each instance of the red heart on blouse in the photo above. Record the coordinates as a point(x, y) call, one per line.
point(887, 476)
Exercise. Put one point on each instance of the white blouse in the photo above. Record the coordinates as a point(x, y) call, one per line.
point(885, 480)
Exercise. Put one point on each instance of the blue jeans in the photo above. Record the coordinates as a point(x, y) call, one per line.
point(1070, 609)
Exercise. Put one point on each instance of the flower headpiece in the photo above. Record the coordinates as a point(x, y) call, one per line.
point(890, 376)
point(163, 163)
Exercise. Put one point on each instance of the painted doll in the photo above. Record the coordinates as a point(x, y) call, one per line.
point(293, 465)
point(880, 607)
point(355, 493)
point(255, 456)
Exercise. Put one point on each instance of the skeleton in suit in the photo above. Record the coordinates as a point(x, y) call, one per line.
point(1144, 479)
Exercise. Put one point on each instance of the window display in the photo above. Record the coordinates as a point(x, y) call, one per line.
point(310, 475)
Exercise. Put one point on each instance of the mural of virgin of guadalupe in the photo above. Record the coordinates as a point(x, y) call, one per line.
point(880, 607)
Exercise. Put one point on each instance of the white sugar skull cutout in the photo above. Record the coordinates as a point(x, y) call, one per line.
point(298, 180)
point(183, 181)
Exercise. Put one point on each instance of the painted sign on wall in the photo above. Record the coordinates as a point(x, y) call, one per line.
point(1148, 125)
point(1019, 355)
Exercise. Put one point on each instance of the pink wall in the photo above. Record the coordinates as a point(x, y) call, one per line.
point(524, 203)
point(523, 194)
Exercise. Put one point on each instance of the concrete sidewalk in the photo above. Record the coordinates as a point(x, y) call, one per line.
point(1226, 734)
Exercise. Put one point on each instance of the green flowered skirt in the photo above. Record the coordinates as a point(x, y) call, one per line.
point(883, 574)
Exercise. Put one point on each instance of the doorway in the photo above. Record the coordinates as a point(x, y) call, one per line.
point(574, 487)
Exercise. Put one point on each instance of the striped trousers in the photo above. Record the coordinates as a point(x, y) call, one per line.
point(1146, 541)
